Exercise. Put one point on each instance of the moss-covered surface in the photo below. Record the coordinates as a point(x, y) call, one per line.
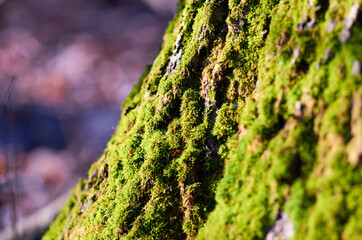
point(252, 108)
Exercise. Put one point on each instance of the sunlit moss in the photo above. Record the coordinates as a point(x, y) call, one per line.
point(258, 114)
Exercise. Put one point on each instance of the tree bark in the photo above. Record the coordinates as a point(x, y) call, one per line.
point(247, 126)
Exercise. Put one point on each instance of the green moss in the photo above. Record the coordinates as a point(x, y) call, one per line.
point(250, 109)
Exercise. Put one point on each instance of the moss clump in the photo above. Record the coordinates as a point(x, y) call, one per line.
point(250, 112)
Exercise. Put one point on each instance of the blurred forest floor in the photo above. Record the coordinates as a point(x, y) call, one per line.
point(65, 68)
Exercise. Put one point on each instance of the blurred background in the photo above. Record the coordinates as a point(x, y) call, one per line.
point(65, 68)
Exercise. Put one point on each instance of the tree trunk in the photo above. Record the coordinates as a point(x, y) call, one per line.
point(248, 125)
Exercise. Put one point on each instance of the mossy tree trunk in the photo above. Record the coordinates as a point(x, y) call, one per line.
point(247, 126)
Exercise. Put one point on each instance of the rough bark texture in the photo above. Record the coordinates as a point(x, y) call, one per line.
point(247, 126)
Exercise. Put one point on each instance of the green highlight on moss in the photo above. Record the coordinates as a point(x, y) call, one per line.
point(250, 112)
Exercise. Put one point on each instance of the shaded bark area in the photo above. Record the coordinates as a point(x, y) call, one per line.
point(246, 126)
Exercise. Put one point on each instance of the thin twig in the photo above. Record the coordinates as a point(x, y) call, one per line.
point(6, 111)
point(38, 222)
